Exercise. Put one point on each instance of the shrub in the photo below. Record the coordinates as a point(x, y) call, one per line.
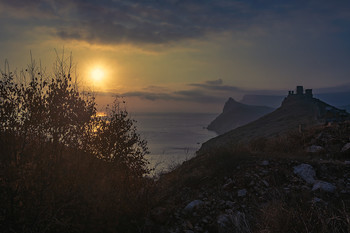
point(63, 168)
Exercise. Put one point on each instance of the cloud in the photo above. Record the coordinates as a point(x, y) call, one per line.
point(216, 85)
point(166, 21)
point(182, 95)
point(34, 9)
point(211, 91)
point(214, 82)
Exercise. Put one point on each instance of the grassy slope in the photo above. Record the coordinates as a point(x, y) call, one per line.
point(286, 204)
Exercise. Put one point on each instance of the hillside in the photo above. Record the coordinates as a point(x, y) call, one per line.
point(288, 171)
point(236, 114)
point(296, 112)
point(273, 101)
point(269, 185)
point(346, 108)
point(334, 98)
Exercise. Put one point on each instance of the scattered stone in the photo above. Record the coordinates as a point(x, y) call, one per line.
point(241, 192)
point(230, 204)
point(265, 163)
point(314, 149)
point(346, 147)
point(224, 222)
point(206, 219)
point(266, 183)
point(306, 172)
point(189, 225)
point(228, 185)
point(316, 200)
point(232, 222)
point(324, 186)
point(193, 205)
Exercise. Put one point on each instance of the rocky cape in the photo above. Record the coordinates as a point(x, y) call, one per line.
point(236, 114)
point(285, 172)
point(296, 113)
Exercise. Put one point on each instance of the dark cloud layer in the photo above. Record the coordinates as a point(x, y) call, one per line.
point(159, 22)
point(213, 91)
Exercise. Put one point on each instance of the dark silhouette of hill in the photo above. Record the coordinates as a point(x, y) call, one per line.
point(298, 111)
point(236, 114)
point(346, 108)
point(273, 101)
point(334, 98)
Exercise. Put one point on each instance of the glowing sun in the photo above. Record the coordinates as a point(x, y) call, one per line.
point(97, 74)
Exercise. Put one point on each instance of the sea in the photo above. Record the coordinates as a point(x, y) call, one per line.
point(173, 138)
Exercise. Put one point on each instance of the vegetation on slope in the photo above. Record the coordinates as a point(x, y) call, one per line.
point(252, 187)
point(62, 167)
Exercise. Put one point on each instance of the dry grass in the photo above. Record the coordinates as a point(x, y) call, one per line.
point(280, 216)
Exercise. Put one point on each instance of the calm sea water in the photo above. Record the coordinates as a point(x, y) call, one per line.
point(173, 138)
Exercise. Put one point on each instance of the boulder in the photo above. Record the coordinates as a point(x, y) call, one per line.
point(306, 172)
point(265, 163)
point(193, 205)
point(228, 185)
point(232, 222)
point(242, 193)
point(346, 147)
point(314, 149)
point(324, 186)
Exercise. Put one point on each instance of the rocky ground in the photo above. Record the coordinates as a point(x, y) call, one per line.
point(260, 193)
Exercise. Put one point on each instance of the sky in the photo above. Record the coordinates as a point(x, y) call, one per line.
point(183, 55)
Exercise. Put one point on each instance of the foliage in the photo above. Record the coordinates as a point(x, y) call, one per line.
point(64, 168)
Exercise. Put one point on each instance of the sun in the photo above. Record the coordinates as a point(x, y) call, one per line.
point(97, 74)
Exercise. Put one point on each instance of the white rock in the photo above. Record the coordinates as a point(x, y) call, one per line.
point(306, 172)
point(224, 221)
point(241, 192)
point(230, 204)
point(228, 185)
point(265, 163)
point(232, 222)
point(346, 147)
point(193, 205)
point(324, 186)
point(266, 183)
point(314, 149)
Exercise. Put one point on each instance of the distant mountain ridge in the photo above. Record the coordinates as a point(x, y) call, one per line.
point(297, 110)
point(338, 99)
point(273, 101)
point(236, 114)
point(335, 98)
point(346, 108)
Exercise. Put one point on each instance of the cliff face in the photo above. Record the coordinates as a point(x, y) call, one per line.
point(236, 114)
point(295, 111)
